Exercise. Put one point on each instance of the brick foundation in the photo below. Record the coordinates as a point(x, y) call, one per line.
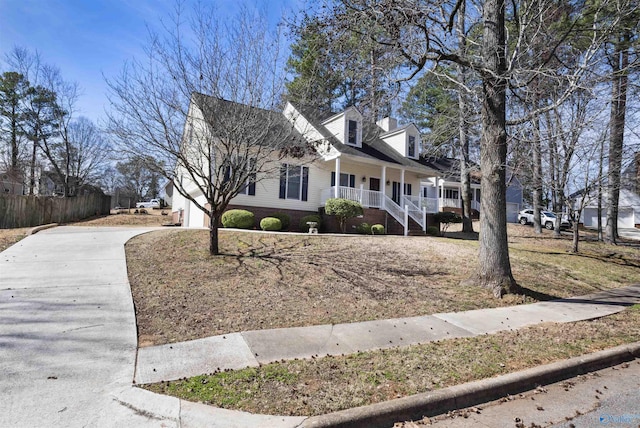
point(330, 223)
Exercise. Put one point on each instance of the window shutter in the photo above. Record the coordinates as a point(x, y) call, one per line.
point(283, 181)
point(352, 180)
point(227, 174)
point(252, 178)
point(333, 178)
point(305, 182)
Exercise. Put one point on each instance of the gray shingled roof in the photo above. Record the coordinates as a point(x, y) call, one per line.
point(373, 147)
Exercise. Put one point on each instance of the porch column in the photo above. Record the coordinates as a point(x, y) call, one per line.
point(438, 190)
point(383, 185)
point(336, 188)
point(401, 186)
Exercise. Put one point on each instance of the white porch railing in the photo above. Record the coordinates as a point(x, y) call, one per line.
point(372, 199)
point(450, 203)
point(419, 215)
point(395, 210)
point(366, 198)
point(457, 203)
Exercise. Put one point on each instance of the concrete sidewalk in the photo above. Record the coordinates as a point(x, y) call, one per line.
point(68, 338)
point(251, 348)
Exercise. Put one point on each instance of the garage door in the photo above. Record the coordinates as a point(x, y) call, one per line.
point(591, 217)
point(625, 218)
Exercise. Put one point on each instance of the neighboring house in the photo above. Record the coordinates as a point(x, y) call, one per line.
point(168, 193)
point(377, 165)
point(51, 185)
point(444, 192)
point(628, 204)
point(11, 183)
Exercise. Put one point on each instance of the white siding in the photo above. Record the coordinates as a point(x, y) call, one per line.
point(398, 142)
point(268, 189)
point(338, 125)
point(512, 212)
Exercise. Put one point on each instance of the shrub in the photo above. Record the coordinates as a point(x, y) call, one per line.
point(377, 229)
point(285, 219)
point(270, 223)
point(364, 229)
point(241, 219)
point(343, 209)
point(313, 217)
point(433, 231)
point(446, 218)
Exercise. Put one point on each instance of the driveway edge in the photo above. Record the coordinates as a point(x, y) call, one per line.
point(37, 229)
point(469, 394)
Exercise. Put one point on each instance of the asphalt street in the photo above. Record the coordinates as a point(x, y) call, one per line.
point(605, 398)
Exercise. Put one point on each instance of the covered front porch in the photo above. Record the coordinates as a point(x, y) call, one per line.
point(367, 185)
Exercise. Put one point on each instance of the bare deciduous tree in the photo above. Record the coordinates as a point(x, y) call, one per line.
point(202, 108)
point(421, 35)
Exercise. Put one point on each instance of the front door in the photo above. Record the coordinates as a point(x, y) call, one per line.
point(395, 195)
point(374, 184)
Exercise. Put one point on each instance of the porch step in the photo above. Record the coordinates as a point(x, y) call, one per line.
point(416, 233)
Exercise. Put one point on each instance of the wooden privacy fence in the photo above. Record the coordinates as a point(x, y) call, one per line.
point(29, 211)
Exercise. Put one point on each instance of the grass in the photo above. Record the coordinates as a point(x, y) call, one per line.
point(273, 280)
point(8, 237)
point(283, 280)
point(318, 386)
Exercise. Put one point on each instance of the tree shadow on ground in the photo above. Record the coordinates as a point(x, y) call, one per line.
point(467, 236)
point(536, 295)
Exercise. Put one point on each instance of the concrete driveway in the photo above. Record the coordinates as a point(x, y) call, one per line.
point(67, 330)
point(630, 233)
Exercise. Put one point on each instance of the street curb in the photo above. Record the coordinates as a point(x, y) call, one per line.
point(37, 229)
point(470, 394)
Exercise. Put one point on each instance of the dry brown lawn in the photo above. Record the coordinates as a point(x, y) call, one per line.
point(284, 280)
point(8, 237)
point(129, 218)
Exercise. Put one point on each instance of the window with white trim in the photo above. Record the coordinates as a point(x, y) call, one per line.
point(450, 193)
point(411, 146)
point(294, 182)
point(352, 134)
point(346, 180)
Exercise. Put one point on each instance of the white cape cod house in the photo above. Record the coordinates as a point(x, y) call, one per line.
point(374, 164)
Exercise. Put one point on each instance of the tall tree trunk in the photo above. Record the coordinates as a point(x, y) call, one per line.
point(465, 176)
point(494, 270)
point(576, 236)
point(214, 244)
point(600, 167)
point(537, 175)
point(14, 140)
point(32, 168)
point(616, 142)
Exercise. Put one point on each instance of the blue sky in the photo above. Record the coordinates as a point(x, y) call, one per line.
point(87, 39)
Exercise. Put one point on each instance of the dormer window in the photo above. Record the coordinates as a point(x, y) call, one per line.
point(352, 136)
point(411, 147)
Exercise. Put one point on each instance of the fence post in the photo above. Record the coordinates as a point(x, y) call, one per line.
point(424, 219)
point(406, 220)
